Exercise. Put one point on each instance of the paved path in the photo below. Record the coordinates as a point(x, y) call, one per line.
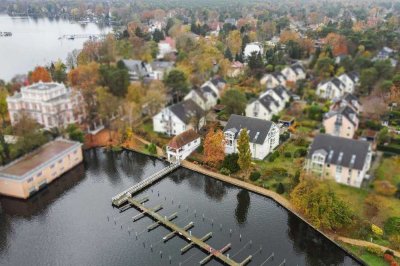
point(362, 243)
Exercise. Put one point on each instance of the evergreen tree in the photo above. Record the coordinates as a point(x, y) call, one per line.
point(158, 35)
point(244, 160)
point(228, 54)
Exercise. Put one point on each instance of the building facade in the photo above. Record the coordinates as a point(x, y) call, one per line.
point(182, 145)
point(27, 175)
point(347, 161)
point(264, 135)
point(177, 118)
point(50, 104)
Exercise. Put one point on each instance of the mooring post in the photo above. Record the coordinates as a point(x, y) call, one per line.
point(240, 235)
point(160, 253)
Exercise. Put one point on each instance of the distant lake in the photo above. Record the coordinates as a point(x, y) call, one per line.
point(36, 42)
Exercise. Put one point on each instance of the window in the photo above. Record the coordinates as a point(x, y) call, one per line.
point(52, 166)
point(60, 161)
point(30, 180)
point(39, 174)
point(338, 169)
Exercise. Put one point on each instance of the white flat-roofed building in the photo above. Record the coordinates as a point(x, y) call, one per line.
point(27, 175)
point(51, 104)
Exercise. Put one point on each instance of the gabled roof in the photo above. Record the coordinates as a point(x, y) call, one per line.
point(186, 110)
point(217, 80)
point(182, 139)
point(267, 100)
point(136, 66)
point(338, 83)
point(297, 67)
point(280, 90)
point(258, 129)
point(350, 98)
point(353, 76)
point(344, 111)
point(341, 151)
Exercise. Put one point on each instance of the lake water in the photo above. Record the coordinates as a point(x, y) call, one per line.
point(72, 221)
point(36, 42)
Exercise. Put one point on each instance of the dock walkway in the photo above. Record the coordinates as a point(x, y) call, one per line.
point(199, 242)
point(122, 197)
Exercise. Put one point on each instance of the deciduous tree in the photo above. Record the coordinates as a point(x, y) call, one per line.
point(39, 74)
point(235, 101)
point(214, 147)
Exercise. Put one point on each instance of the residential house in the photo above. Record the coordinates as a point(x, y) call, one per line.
point(236, 69)
point(208, 94)
point(294, 72)
point(177, 118)
point(263, 134)
point(141, 70)
point(331, 89)
point(166, 47)
point(342, 122)
point(347, 161)
point(350, 81)
point(160, 69)
point(268, 104)
point(348, 100)
point(386, 53)
point(272, 80)
point(182, 145)
point(51, 104)
point(254, 47)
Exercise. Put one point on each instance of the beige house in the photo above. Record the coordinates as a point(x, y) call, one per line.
point(27, 175)
point(341, 123)
point(347, 161)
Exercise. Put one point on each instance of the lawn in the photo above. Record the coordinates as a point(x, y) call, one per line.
point(361, 252)
point(389, 170)
point(282, 169)
point(146, 131)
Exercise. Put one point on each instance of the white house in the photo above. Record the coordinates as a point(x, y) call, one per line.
point(294, 72)
point(208, 94)
point(51, 104)
point(141, 70)
point(347, 100)
point(182, 145)
point(272, 80)
point(386, 53)
point(166, 47)
point(331, 89)
point(254, 47)
point(347, 161)
point(177, 118)
point(263, 134)
point(350, 81)
point(268, 104)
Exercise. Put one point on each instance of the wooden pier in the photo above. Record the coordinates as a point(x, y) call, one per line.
point(193, 241)
point(122, 197)
point(82, 36)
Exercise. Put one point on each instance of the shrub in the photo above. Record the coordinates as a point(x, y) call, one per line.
point(375, 250)
point(275, 118)
point(273, 156)
point(284, 137)
point(254, 176)
point(280, 189)
point(225, 171)
point(300, 152)
point(385, 188)
point(151, 148)
point(395, 240)
point(376, 230)
point(392, 225)
point(288, 154)
point(276, 172)
point(231, 163)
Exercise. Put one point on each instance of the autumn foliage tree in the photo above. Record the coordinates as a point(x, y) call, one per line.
point(214, 147)
point(338, 43)
point(39, 74)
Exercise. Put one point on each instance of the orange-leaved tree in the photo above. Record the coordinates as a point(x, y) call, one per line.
point(214, 147)
point(39, 74)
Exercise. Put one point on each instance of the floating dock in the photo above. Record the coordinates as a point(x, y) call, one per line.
point(193, 241)
point(122, 197)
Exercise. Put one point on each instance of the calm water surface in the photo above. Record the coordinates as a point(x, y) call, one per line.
point(35, 42)
point(67, 223)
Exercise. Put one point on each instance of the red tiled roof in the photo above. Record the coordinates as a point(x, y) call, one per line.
point(183, 139)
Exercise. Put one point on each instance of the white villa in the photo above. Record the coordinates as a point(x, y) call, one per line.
point(273, 79)
point(254, 47)
point(50, 104)
point(177, 118)
point(347, 161)
point(294, 72)
point(350, 81)
point(264, 135)
point(182, 145)
point(268, 104)
point(208, 94)
point(331, 89)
